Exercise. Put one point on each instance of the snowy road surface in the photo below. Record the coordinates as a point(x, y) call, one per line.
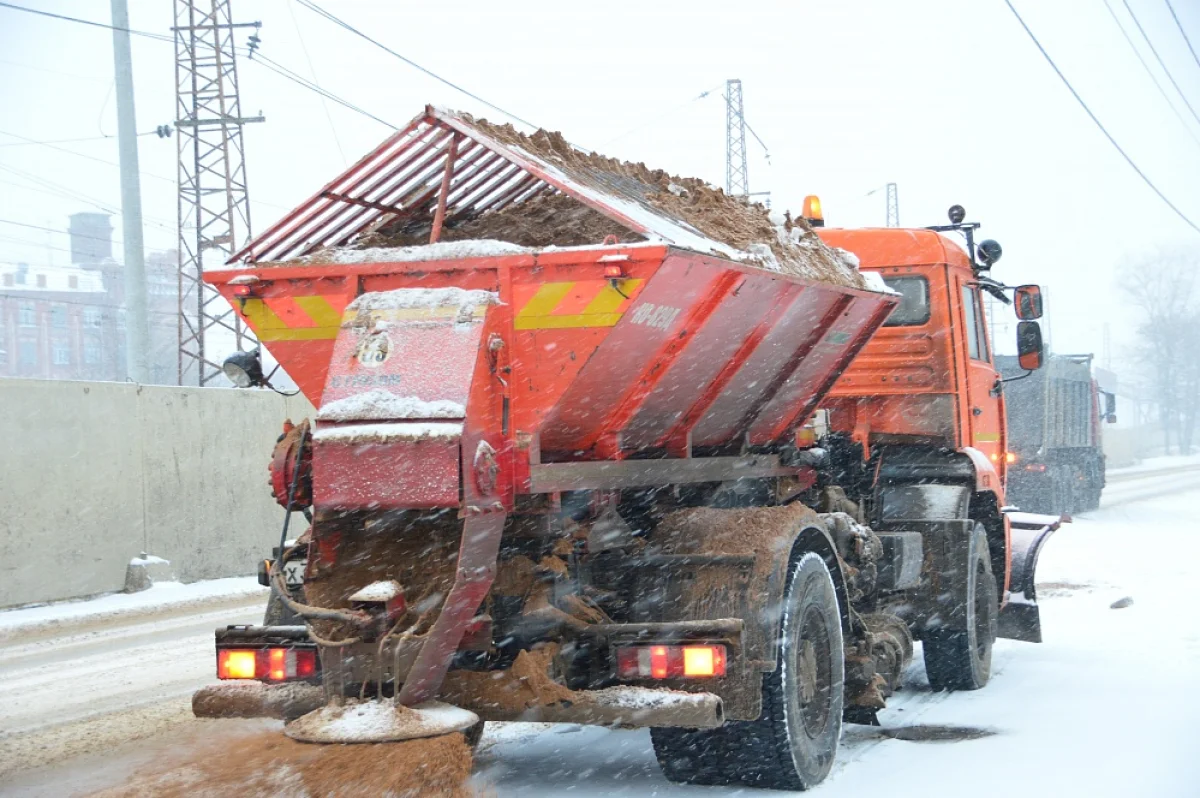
point(1107, 706)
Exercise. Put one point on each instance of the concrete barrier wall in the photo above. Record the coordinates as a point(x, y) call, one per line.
point(93, 473)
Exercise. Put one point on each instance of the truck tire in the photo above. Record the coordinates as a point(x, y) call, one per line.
point(962, 659)
point(278, 613)
point(793, 743)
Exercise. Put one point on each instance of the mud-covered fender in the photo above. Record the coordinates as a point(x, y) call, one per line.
point(768, 537)
point(987, 479)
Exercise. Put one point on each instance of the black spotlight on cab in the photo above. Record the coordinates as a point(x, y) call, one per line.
point(988, 252)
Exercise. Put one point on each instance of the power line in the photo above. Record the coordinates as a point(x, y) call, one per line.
point(1182, 32)
point(658, 119)
point(159, 36)
point(83, 155)
point(19, 297)
point(313, 71)
point(1158, 58)
point(1100, 125)
point(284, 72)
point(272, 65)
point(52, 230)
point(68, 141)
point(1149, 71)
point(54, 71)
point(311, 6)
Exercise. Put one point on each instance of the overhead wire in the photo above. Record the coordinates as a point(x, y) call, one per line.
point(1097, 121)
point(670, 112)
point(67, 141)
point(311, 6)
point(312, 69)
point(131, 31)
point(1158, 58)
point(1183, 33)
point(272, 65)
point(1150, 72)
point(83, 155)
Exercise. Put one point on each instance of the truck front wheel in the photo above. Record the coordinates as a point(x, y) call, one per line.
point(961, 659)
point(793, 743)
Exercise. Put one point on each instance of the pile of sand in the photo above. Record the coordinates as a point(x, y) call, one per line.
point(782, 243)
point(270, 764)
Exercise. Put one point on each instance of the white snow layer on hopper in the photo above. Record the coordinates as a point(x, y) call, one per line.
point(383, 406)
point(409, 298)
point(442, 250)
point(358, 434)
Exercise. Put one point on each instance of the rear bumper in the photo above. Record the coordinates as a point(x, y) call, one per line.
point(625, 707)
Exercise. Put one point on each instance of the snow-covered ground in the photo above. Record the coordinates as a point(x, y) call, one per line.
point(1107, 706)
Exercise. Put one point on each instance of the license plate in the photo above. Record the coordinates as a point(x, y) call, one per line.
point(293, 572)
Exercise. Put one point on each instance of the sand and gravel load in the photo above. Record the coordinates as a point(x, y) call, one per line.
point(686, 212)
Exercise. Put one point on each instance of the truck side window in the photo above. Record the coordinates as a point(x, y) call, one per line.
point(976, 347)
point(914, 301)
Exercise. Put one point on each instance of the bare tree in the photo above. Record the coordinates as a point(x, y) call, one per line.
point(1164, 293)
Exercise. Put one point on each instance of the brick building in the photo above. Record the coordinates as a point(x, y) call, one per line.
point(68, 322)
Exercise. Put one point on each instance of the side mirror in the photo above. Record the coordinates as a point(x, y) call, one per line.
point(1111, 418)
point(1028, 305)
point(1029, 345)
point(1110, 408)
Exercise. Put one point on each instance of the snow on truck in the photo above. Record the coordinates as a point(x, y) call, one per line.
point(621, 466)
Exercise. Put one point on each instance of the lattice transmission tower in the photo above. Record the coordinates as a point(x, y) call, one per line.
point(214, 200)
point(893, 205)
point(737, 173)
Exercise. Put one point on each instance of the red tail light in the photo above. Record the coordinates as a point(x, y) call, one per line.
point(1036, 468)
point(267, 664)
point(671, 662)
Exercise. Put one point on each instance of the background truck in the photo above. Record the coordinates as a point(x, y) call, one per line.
point(1055, 439)
point(585, 483)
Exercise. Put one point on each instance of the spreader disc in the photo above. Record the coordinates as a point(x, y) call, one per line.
point(379, 722)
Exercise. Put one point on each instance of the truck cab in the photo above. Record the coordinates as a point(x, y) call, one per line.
point(927, 377)
point(921, 409)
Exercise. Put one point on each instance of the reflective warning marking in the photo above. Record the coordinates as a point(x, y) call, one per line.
point(302, 318)
point(583, 303)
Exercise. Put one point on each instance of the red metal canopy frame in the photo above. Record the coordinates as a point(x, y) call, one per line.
point(443, 169)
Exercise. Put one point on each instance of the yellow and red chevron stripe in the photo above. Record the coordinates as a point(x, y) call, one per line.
point(295, 318)
point(582, 303)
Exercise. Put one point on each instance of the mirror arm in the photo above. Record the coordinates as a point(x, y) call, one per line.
point(1018, 377)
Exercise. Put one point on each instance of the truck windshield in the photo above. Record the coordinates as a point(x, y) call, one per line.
point(914, 301)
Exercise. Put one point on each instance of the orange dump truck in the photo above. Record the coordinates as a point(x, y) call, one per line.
point(620, 482)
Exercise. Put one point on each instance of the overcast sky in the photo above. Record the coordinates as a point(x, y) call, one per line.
point(949, 99)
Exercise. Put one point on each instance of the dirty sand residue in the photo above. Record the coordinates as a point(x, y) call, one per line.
point(529, 683)
point(270, 764)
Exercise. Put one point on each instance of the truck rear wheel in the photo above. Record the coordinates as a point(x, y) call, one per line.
point(962, 659)
point(278, 613)
point(793, 743)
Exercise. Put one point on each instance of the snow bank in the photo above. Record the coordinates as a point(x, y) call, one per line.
point(161, 597)
point(389, 433)
point(443, 250)
point(383, 406)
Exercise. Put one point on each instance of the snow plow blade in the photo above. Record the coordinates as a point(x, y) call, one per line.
point(1020, 618)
